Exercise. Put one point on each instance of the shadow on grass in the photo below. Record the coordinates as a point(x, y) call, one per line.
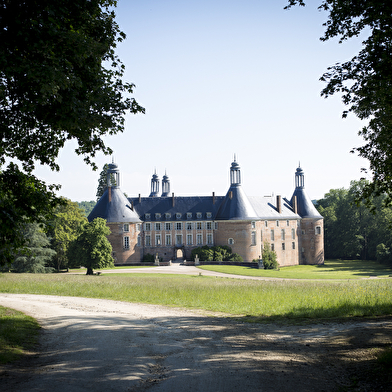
point(357, 267)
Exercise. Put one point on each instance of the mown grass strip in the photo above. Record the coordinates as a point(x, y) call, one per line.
point(260, 300)
point(332, 269)
point(18, 333)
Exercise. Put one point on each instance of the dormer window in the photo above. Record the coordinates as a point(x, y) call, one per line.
point(209, 215)
point(189, 215)
point(157, 216)
point(147, 216)
point(167, 216)
point(199, 215)
point(178, 215)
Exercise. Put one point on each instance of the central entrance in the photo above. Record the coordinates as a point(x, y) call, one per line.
point(178, 255)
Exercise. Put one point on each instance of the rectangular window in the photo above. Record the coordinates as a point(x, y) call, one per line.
point(168, 226)
point(199, 239)
point(277, 223)
point(293, 245)
point(199, 225)
point(158, 226)
point(147, 226)
point(148, 240)
point(189, 225)
point(126, 227)
point(272, 246)
point(287, 223)
point(126, 242)
point(138, 226)
point(283, 246)
point(179, 239)
point(158, 239)
point(139, 240)
point(253, 238)
point(318, 230)
point(209, 239)
point(178, 225)
point(253, 225)
point(209, 225)
point(266, 223)
point(272, 235)
point(189, 239)
point(230, 241)
point(168, 239)
point(283, 234)
point(293, 234)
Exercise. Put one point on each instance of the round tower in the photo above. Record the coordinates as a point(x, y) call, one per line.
point(154, 185)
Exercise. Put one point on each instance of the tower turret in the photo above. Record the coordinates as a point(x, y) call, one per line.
point(154, 185)
point(165, 186)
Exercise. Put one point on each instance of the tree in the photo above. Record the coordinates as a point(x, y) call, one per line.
point(365, 81)
point(37, 254)
point(60, 80)
point(87, 206)
point(269, 257)
point(102, 181)
point(63, 229)
point(91, 248)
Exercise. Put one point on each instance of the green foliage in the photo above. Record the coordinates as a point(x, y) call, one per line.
point(383, 253)
point(91, 248)
point(87, 206)
point(63, 229)
point(37, 254)
point(269, 257)
point(365, 81)
point(351, 230)
point(60, 80)
point(148, 258)
point(215, 253)
point(18, 334)
point(103, 181)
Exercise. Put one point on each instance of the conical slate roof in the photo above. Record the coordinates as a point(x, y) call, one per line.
point(118, 209)
point(236, 206)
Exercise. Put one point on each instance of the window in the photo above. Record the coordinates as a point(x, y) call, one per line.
point(189, 225)
point(283, 246)
point(138, 226)
point(209, 225)
point(148, 216)
point(126, 227)
point(179, 239)
point(189, 239)
point(272, 235)
point(147, 226)
point(168, 226)
point(230, 241)
point(178, 225)
point(209, 215)
point(209, 239)
point(283, 234)
point(318, 230)
point(287, 223)
point(293, 234)
point(139, 240)
point(272, 246)
point(277, 223)
point(253, 225)
point(157, 215)
point(261, 236)
point(266, 223)
point(158, 226)
point(189, 215)
point(199, 215)
point(178, 215)
point(216, 225)
point(253, 238)
point(148, 240)
point(199, 225)
point(293, 245)
point(126, 242)
point(167, 216)
point(158, 241)
point(302, 232)
point(199, 239)
point(168, 239)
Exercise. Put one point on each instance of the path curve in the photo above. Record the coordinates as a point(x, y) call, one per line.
point(104, 345)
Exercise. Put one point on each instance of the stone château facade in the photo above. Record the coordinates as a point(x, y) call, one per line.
point(170, 226)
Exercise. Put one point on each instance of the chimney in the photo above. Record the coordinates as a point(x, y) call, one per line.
point(230, 195)
point(110, 194)
point(279, 203)
point(140, 198)
point(132, 205)
point(295, 206)
point(172, 199)
point(213, 197)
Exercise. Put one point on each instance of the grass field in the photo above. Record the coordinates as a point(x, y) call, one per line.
point(332, 269)
point(258, 300)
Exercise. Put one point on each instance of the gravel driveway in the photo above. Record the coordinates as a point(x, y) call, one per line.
point(103, 345)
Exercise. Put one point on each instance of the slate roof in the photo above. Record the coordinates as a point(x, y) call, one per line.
point(117, 210)
point(305, 206)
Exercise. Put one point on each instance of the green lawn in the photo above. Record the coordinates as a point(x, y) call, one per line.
point(332, 269)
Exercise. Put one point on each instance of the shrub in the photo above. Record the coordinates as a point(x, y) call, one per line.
point(269, 257)
point(148, 258)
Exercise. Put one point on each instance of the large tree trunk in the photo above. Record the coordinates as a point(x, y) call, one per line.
point(89, 271)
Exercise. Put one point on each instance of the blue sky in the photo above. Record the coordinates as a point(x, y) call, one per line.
point(219, 78)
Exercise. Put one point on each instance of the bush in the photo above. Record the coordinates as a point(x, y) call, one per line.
point(215, 253)
point(148, 258)
point(269, 257)
point(383, 253)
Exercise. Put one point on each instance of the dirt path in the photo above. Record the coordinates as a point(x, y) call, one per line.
point(102, 345)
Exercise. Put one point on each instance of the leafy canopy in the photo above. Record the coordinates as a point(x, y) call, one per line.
point(60, 80)
point(365, 81)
